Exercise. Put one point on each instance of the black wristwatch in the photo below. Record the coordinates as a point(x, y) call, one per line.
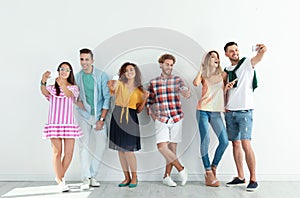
point(102, 119)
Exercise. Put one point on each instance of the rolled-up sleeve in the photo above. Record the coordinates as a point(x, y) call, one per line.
point(151, 97)
point(105, 91)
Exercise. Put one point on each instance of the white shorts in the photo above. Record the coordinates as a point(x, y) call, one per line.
point(170, 132)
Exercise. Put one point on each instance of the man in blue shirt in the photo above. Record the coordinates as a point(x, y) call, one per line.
point(91, 110)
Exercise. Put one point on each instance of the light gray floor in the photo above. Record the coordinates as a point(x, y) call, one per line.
point(149, 189)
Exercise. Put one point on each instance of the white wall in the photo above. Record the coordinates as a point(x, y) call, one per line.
point(38, 35)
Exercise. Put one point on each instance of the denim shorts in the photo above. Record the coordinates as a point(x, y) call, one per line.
point(239, 125)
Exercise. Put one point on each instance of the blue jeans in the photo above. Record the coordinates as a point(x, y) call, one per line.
point(204, 118)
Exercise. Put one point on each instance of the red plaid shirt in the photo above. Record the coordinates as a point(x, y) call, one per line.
point(164, 95)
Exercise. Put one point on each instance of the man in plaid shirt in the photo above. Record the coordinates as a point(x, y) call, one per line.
point(165, 100)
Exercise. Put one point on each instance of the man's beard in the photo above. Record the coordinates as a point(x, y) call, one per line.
point(234, 60)
point(168, 72)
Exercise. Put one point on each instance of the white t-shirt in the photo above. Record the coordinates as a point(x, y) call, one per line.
point(241, 97)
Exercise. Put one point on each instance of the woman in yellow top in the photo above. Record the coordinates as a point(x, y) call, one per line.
point(124, 125)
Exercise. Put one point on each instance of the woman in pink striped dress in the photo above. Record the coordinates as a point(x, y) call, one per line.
point(61, 128)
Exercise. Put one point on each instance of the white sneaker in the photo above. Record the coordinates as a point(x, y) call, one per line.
point(62, 179)
point(63, 187)
point(169, 182)
point(94, 182)
point(85, 184)
point(183, 176)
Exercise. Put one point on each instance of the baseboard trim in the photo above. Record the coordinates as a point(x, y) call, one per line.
point(145, 177)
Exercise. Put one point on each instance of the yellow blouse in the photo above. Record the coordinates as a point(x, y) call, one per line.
point(127, 99)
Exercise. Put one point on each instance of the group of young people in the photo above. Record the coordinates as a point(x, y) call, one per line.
point(90, 92)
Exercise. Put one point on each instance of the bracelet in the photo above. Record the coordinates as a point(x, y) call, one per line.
point(43, 84)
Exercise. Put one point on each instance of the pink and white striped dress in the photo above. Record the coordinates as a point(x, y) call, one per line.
point(61, 122)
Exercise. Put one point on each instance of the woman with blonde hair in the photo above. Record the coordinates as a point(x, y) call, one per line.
point(209, 110)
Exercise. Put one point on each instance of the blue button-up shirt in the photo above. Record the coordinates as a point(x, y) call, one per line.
point(101, 93)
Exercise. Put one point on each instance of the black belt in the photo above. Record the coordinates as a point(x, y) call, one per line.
point(243, 111)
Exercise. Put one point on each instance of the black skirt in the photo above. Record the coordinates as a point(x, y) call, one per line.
point(124, 136)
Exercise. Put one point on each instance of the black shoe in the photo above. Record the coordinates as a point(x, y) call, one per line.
point(236, 182)
point(252, 186)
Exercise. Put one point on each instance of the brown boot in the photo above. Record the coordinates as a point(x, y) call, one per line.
point(214, 170)
point(211, 180)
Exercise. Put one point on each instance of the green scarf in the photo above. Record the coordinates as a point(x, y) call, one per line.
point(232, 75)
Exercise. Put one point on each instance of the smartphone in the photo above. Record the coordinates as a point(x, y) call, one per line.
point(184, 88)
point(52, 78)
point(234, 80)
point(115, 77)
point(255, 48)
